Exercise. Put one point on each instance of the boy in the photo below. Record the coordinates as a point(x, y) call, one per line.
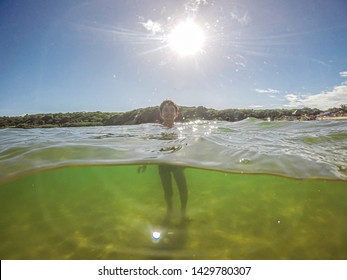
point(169, 112)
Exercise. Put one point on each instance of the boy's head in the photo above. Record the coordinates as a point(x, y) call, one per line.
point(168, 111)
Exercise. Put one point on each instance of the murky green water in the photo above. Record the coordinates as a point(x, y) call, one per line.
point(110, 212)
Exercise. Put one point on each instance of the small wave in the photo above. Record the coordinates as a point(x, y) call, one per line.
point(293, 149)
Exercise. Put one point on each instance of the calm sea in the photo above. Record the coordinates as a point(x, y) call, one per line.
point(257, 190)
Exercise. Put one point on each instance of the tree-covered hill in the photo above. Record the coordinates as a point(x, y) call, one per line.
point(151, 115)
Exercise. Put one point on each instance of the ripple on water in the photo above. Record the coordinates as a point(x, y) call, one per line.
point(294, 149)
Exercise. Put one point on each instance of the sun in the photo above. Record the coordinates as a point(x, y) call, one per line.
point(187, 38)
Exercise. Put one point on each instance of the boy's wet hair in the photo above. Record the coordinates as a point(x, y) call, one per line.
point(168, 102)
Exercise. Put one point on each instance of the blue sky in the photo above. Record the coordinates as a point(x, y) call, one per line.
point(113, 56)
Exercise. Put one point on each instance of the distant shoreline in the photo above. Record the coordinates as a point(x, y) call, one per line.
point(151, 115)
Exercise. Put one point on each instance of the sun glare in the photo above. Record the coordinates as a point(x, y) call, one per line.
point(186, 38)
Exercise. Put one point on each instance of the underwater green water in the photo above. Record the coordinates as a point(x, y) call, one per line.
point(110, 212)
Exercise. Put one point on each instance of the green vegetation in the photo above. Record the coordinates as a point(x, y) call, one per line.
point(151, 115)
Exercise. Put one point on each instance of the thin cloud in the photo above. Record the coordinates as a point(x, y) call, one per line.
point(267, 106)
point(292, 98)
point(324, 100)
point(256, 106)
point(268, 90)
point(343, 74)
point(152, 26)
point(244, 19)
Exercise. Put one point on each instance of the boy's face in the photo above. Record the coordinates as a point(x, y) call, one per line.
point(168, 113)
